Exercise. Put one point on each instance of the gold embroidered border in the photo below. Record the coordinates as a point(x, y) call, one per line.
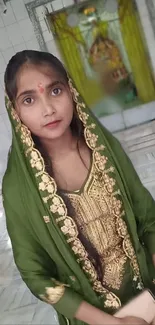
point(100, 161)
point(53, 294)
point(48, 187)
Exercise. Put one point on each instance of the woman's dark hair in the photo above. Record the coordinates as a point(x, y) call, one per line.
point(11, 74)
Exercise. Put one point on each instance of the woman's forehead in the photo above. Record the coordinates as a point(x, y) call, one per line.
point(33, 75)
point(35, 71)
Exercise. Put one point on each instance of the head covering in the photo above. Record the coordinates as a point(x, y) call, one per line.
point(32, 203)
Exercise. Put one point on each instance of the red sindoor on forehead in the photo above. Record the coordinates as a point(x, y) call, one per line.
point(41, 88)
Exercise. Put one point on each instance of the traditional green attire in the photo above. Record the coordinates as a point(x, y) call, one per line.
point(114, 211)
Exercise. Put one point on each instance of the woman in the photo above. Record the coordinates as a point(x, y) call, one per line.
point(82, 225)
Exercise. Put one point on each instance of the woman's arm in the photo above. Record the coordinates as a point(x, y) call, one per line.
point(93, 316)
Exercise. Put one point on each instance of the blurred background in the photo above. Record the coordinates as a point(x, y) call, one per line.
point(108, 47)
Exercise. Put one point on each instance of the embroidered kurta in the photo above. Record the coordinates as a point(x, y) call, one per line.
point(96, 219)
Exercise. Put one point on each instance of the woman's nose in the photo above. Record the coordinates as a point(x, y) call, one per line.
point(48, 108)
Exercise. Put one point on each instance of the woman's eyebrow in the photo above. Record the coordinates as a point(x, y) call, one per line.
point(33, 91)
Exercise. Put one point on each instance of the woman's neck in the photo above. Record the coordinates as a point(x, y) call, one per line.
point(60, 147)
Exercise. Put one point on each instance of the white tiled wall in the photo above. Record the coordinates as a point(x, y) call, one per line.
point(41, 14)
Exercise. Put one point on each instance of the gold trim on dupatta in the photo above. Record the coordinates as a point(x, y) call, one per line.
point(48, 190)
point(54, 294)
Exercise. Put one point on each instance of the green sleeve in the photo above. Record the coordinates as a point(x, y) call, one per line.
point(142, 202)
point(37, 269)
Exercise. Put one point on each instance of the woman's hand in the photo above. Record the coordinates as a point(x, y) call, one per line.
point(91, 315)
point(133, 320)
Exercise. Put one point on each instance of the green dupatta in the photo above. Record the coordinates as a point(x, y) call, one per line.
point(48, 253)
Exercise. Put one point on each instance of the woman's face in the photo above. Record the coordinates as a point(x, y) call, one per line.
point(44, 102)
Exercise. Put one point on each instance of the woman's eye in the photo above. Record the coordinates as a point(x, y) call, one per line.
point(28, 101)
point(56, 91)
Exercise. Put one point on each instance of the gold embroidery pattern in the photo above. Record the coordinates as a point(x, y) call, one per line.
point(98, 223)
point(63, 221)
point(117, 205)
point(73, 278)
point(46, 219)
point(53, 294)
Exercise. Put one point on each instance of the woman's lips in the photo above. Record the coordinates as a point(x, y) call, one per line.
point(52, 124)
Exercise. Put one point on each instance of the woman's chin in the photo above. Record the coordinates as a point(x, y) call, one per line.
point(53, 134)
